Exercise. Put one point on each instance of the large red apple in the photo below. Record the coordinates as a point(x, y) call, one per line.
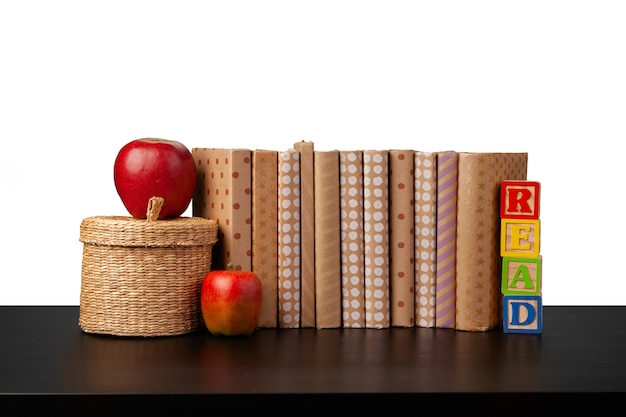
point(231, 302)
point(152, 167)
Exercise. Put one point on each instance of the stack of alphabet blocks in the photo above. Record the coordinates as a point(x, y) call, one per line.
point(521, 260)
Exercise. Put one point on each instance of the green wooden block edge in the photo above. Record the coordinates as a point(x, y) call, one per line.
point(505, 279)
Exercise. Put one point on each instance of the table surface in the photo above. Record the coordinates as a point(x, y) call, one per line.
point(581, 354)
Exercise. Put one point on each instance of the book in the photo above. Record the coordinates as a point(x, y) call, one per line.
point(352, 239)
point(265, 231)
point(425, 173)
point(289, 239)
point(327, 240)
point(401, 237)
point(376, 237)
point(307, 233)
point(445, 263)
point(478, 261)
point(224, 194)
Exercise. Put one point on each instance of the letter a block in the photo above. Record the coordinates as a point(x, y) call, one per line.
point(519, 199)
point(521, 276)
point(522, 314)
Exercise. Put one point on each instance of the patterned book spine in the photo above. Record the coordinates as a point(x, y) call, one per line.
point(445, 301)
point(352, 243)
point(265, 231)
point(376, 236)
point(327, 240)
point(307, 234)
point(223, 193)
point(479, 274)
point(425, 237)
point(289, 239)
point(402, 238)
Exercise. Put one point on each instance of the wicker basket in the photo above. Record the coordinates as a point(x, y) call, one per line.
point(143, 278)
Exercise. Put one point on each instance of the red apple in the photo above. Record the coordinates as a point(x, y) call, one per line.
point(231, 302)
point(152, 167)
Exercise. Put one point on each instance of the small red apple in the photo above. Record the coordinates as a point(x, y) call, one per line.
point(152, 167)
point(231, 302)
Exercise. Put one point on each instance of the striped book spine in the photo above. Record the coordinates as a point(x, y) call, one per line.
point(327, 240)
point(265, 231)
point(447, 179)
point(307, 233)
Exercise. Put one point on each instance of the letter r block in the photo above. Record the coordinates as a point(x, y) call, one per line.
point(519, 199)
point(522, 314)
point(521, 275)
point(519, 238)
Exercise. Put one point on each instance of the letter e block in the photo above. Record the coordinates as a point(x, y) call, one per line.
point(519, 199)
point(519, 237)
point(522, 314)
point(521, 275)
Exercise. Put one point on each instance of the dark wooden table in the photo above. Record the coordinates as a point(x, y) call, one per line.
point(578, 363)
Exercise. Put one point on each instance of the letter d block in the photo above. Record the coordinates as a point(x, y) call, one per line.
point(519, 199)
point(522, 314)
point(521, 276)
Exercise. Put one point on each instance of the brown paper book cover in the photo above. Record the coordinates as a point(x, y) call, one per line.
point(352, 240)
point(401, 237)
point(289, 239)
point(425, 237)
point(445, 268)
point(376, 236)
point(479, 300)
point(307, 233)
point(265, 231)
point(224, 194)
point(327, 240)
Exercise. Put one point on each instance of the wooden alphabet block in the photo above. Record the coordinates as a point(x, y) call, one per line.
point(519, 199)
point(522, 314)
point(519, 238)
point(521, 275)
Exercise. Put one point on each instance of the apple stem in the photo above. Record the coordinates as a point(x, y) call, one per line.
point(230, 266)
point(154, 208)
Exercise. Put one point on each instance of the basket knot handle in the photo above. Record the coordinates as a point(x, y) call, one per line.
point(154, 208)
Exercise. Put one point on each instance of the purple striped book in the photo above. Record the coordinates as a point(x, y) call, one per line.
point(447, 178)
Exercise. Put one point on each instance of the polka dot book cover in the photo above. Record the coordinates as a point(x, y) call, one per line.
point(425, 237)
point(224, 194)
point(352, 240)
point(401, 237)
point(376, 234)
point(289, 233)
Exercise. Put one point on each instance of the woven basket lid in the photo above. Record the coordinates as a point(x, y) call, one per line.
point(133, 232)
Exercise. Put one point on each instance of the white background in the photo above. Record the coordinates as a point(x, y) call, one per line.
point(79, 79)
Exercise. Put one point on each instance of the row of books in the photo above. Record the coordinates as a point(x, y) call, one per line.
point(361, 238)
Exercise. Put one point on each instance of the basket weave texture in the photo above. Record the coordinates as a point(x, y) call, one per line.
point(143, 278)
